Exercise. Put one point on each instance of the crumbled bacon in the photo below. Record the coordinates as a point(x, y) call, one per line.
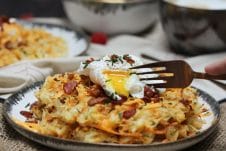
point(95, 101)
point(148, 92)
point(150, 95)
point(51, 109)
point(70, 76)
point(69, 87)
point(114, 57)
point(35, 104)
point(9, 45)
point(62, 100)
point(185, 102)
point(96, 91)
point(86, 81)
point(26, 114)
point(129, 113)
point(4, 19)
point(128, 59)
point(89, 60)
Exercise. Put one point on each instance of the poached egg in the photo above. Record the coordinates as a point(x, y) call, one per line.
point(112, 73)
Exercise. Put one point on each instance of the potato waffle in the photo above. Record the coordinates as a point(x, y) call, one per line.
point(21, 43)
point(71, 106)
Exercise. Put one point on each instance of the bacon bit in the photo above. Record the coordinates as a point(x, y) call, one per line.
point(35, 104)
point(70, 76)
point(69, 87)
point(150, 95)
point(160, 138)
point(51, 109)
point(26, 114)
point(156, 95)
point(62, 100)
point(184, 122)
point(86, 81)
point(99, 38)
point(185, 102)
point(95, 101)
point(114, 57)
point(55, 79)
point(9, 45)
point(129, 113)
point(4, 19)
point(148, 92)
point(171, 120)
point(87, 62)
point(160, 132)
point(128, 59)
point(96, 91)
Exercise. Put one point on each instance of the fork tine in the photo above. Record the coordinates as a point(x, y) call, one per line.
point(164, 85)
point(150, 65)
point(158, 85)
point(152, 72)
point(156, 78)
point(159, 64)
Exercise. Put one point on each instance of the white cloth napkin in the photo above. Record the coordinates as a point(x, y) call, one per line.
point(17, 76)
point(153, 44)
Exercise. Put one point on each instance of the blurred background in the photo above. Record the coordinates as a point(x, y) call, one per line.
point(37, 8)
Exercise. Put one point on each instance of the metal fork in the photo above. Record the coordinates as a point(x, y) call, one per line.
point(175, 74)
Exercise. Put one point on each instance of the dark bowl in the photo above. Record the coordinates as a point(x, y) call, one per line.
point(192, 30)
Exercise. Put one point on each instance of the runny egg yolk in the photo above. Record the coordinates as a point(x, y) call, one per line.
point(117, 79)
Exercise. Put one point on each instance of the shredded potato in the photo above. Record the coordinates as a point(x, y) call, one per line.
point(63, 110)
point(20, 43)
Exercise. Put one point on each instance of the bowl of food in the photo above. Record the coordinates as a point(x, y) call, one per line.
point(109, 108)
point(112, 16)
point(194, 27)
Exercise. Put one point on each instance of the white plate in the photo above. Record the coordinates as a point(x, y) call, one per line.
point(76, 40)
point(18, 102)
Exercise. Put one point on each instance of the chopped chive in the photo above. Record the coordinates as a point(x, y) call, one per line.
point(27, 105)
point(108, 80)
point(120, 59)
point(120, 115)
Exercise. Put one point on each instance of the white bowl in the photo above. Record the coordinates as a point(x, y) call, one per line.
point(112, 16)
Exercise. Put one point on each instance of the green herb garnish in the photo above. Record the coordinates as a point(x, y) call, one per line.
point(27, 105)
point(120, 115)
point(108, 80)
point(85, 65)
point(87, 62)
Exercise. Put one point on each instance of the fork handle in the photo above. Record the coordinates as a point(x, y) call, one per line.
point(199, 75)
